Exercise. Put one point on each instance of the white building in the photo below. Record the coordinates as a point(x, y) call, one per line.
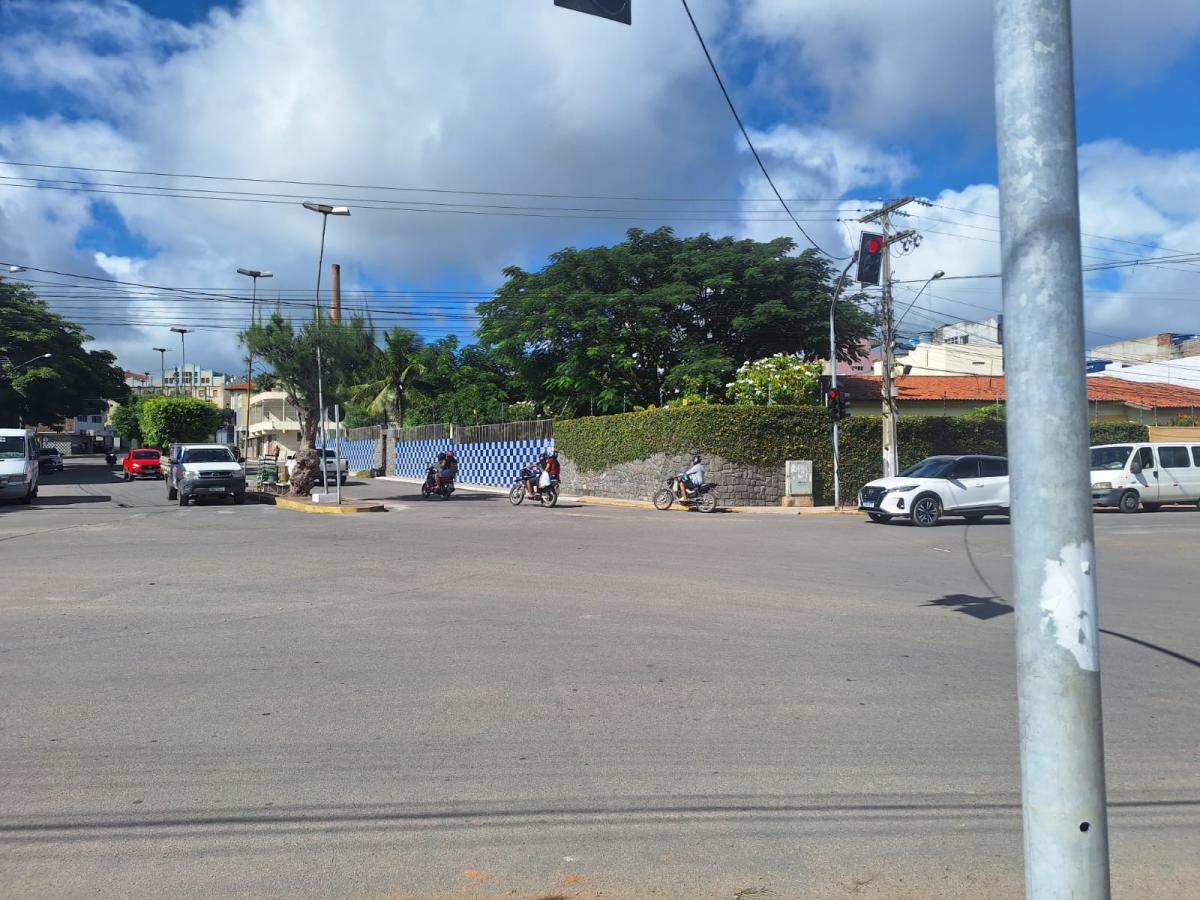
point(988, 333)
point(950, 359)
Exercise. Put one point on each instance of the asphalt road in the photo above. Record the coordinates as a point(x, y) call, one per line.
point(463, 699)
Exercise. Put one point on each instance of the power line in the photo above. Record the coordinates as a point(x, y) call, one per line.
point(745, 134)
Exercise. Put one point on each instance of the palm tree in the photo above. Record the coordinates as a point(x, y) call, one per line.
point(398, 374)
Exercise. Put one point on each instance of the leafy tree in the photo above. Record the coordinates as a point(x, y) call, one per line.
point(781, 378)
point(48, 390)
point(395, 375)
point(624, 325)
point(163, 421)
point(465, 385)
point(124, 421)
point(290, 351)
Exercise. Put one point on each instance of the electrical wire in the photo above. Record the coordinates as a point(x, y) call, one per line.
point(745, 134)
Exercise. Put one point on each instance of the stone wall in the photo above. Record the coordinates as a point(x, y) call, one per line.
point(738, 484)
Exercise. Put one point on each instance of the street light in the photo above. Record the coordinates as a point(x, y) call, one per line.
point(162, 366)
point(8, 362)
point(326, 211)
point(837, 292)
point(183, 351)
point(13, 270)
point(255, 274)
point(932, 278)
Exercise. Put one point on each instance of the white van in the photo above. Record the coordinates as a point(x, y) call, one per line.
point(18, 465)
point(1149, 475)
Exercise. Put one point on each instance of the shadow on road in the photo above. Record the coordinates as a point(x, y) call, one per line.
point(70, 499)
point(982, 608)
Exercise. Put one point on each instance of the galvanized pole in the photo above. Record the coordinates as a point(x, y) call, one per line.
point(320, 377)
point(837, 291)
point(337, 451)
point(891, 465)
point(1054, 570)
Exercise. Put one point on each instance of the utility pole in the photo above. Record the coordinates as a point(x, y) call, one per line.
point(183, 361)
point(253, 274)
point(1054, 565)
point(162, 366)
point(891, 463)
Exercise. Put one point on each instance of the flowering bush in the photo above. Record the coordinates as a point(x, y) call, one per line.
point(782, 378)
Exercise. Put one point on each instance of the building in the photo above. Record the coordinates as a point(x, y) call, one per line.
point(1109, 399)
point(275, 424)
point(926, 359)
point(1183, 372)
point(1152, 348)
point(988, 333)
point(193, 381)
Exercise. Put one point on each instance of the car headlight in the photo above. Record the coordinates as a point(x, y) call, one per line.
point(190, 476)
point(1102, 486)
point(902, 489)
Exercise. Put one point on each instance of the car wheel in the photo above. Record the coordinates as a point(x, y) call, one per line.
point(926, 511)
point(183, 499)
point(1129, 502)
point(171, 492)
point(881, 518)
point(1151, 507)
point(29, 495)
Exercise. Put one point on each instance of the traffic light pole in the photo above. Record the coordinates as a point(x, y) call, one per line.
point(837, 292)
point(890, 462)
point(1054, 569)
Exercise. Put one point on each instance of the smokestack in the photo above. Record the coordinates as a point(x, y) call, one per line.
point(335, 307)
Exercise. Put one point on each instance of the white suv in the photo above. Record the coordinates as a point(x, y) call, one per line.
point(970, 486)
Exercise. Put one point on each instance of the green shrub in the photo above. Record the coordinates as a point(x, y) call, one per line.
point(768, 435)
point(171, 420)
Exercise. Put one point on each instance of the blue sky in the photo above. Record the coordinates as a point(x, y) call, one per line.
point(848, 100)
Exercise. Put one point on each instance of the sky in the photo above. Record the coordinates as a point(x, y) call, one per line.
point(166, 143)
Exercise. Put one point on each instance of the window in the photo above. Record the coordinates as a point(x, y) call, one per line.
point(993, 468)
point(208, 454)
point(1146, 457)
point(12, 447)
point(968, 467)
point(1113, 458)
point(1174, 458)
point(1196, 454)
point(933, 467)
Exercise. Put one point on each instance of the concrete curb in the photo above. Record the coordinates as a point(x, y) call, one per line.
point(759, 510)
point(322, 508)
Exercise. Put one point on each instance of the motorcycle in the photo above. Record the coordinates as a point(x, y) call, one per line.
point(110, 458)
point(431, 488)
point(547, 496)
point(702, 497)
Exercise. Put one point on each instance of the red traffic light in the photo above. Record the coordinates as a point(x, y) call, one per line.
point(833, 395)
point(874, 245)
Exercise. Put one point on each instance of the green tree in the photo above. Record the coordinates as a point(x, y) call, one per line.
point(163, 421)
point(395, 375)
point(46, 391)
point(620, 326)
point(781, 378)
point(124, 421)
point(465, 385)
point(290, 353)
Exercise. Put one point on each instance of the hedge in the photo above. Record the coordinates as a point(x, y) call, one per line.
point(766, 436)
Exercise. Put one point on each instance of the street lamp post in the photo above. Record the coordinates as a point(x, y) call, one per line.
point(11, 368)
point(162, 366)
point(837, 291)
point(254, 274)
point(326, 211)
point(932, 278)
point(183, 353)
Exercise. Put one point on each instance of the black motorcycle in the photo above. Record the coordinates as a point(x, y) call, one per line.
point(110, 458)
point(702, 497)
point(431, 488)
point(547, 496)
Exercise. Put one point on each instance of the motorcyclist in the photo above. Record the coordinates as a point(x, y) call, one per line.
point(530, 474)
point(693, 477)
point(553, 469)
point(452, 464)
point(110, 458)
point(441, 471)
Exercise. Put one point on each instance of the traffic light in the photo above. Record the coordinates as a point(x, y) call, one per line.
point(837, 404)
point(870, 258)
point(617, 10)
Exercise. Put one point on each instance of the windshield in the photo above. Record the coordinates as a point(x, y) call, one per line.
point(1113, 458)
point(208, 454)
point(145, 454)
point(12, 447)
point(933, 467)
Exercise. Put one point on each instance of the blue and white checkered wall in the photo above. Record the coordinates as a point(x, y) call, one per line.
point(359, 454)
point(414, 457)
point(494, 462)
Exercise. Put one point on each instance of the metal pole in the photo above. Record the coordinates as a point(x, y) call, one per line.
point(337, 451)
point(320, 379)
point(183, 360)
point(1054, 569)
point(890, 464)
point(837, 292)
point(250, 363)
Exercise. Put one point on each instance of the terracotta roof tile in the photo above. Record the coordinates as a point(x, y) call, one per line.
point(989, 390)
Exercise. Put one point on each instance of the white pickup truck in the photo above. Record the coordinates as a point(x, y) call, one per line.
point(333, 472)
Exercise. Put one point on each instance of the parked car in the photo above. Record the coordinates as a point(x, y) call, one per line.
point(1129, 476)
point(144, 463)
point(969, 486)
point(50, 459)
point(19, 466)
point(204, 470)
point(333, 472)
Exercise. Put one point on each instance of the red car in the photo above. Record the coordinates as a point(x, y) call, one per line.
point(142, 464)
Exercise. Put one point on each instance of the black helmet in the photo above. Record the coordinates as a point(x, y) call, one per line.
point(696, 458)
point(554, 454)
point(441, 456)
